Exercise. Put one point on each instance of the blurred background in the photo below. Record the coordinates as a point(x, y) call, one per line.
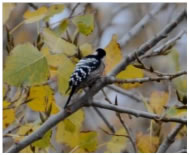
point(113, 18)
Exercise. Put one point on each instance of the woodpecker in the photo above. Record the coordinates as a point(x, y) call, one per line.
point(86, 72)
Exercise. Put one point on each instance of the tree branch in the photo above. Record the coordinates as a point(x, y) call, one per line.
point(139, 113)
point(140, 25)
point(148, 45)
point(161, 50)
point(111, 80)
point(169, 139)
point(104, 119)
point(130, 136)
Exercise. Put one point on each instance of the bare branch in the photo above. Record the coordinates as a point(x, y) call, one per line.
point(139, 113)
point(140, 25)
point(73, 10)
point(148, 45)
point(113, 134)
point(111, 80)
point(130, 136)
point(169, 139)
point(161, 50)
point(105, 120)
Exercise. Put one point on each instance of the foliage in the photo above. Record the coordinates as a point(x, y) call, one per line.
point(34, 72)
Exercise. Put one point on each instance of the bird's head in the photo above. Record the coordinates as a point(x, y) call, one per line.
point(100, 53)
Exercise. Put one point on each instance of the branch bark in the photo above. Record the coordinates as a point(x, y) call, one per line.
point(104, 119)
point(111, 79)
point(130, 135)
point(140, 25)
point(138, 113)
point(170, 139)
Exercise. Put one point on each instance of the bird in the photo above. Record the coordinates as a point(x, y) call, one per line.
point(86, 72)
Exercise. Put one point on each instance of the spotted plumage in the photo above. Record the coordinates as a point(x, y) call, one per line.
point(87, 70)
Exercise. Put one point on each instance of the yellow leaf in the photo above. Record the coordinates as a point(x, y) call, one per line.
point(86, 49)
point(56, 44)
point(8, 117)
point(87, 141)
point(113, 54)
point(113, 57)
point(6, 104)
point(53, 60)
point(64, 72)
point(70, 129)
point(7, 9)
point(53, 10)
point(27, 150)
point(44, 142)
point(129, 73)
point(62, 27)
point(42, 98)
point(84, 23)
point(25, 130)
point(34, 16)
point(147, 143)
point(117, 143)
point(158, 100)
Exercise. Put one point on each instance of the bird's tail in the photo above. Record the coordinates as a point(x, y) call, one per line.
point(68, 100)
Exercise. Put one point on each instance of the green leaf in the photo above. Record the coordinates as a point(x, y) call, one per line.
point(84, 23)
point(56, 44)
point(174, 54)
point(25, 66)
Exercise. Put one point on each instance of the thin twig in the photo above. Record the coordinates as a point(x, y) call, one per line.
point(162, 50)
point(169, 139)
point(140, 25)
point(111, 80)
point(130, 136)
point(33, 6)
point(113, 134)
point(106, 97)
point(105, 120)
